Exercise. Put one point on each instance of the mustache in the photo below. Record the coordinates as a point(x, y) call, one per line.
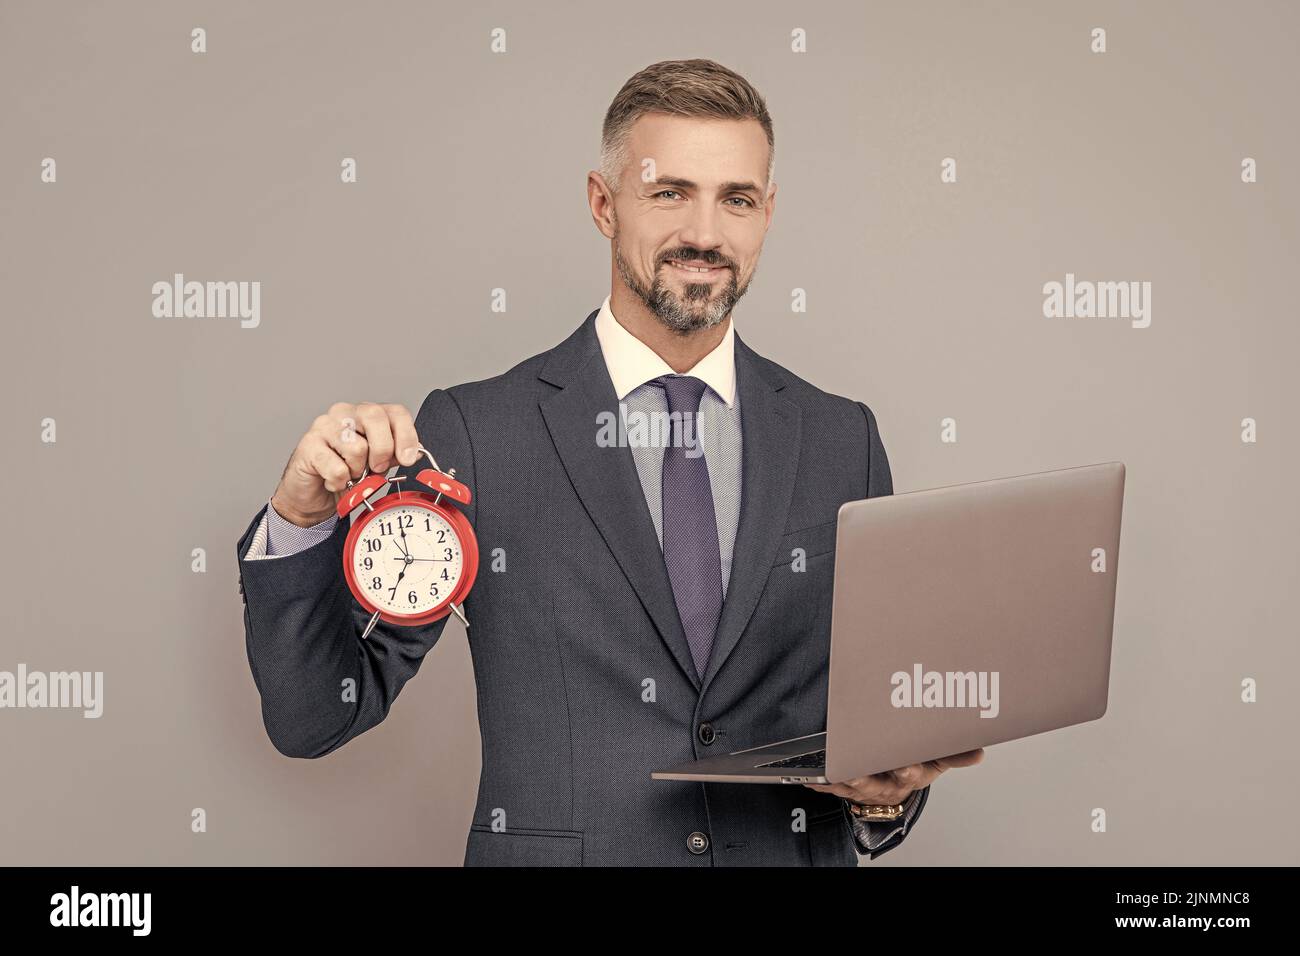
point(704, 258)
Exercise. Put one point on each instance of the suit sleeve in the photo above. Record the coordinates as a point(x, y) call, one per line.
point(320, 684)
point(879, 479)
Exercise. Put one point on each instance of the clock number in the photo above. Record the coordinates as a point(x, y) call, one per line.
point(447, 551)
point(373, 544)
point(403, 521)
point(368, 564)
point(412, 597)
point(376, 584)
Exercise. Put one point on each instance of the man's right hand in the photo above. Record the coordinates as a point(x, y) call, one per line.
point(339, 445)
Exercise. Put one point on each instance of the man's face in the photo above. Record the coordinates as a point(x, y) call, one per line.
point(700, 205)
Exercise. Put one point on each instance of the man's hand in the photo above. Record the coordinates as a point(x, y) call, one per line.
point(894, 786)
point(341, 444)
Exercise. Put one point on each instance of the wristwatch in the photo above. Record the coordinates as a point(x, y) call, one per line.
point(880, 812)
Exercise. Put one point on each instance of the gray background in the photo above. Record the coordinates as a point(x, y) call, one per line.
point(925, 302)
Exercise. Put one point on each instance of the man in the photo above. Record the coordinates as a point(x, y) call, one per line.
point(639, 602)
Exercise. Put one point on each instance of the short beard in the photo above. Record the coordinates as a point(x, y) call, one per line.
point(674, 313)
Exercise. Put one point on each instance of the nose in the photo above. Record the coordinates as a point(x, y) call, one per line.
point(701, 230)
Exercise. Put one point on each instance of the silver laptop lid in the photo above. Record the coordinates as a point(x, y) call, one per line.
point(970, 615)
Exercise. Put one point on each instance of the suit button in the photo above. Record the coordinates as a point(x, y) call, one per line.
point(707, 733)
point(697, 842)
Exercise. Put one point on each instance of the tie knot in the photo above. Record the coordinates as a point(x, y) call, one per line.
point(684, 392)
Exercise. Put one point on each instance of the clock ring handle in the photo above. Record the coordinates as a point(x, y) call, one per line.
point(442, 482)
point(433, 461)
point(360, 489)
point(365, 469)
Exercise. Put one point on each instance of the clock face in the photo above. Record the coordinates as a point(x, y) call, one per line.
point(407, 559)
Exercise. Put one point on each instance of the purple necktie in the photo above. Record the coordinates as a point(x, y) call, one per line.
point(690, 527)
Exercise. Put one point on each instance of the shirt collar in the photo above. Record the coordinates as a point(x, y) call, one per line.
point(632, 363)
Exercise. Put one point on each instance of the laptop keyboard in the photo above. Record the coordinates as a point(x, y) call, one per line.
point(810, 761)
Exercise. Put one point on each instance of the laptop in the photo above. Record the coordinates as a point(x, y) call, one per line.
point(962, 617)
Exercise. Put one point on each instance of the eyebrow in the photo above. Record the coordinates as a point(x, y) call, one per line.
point(731, 187)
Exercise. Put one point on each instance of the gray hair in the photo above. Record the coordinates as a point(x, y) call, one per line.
point(679, 88)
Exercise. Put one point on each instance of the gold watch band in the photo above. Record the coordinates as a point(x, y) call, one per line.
point(881, 812)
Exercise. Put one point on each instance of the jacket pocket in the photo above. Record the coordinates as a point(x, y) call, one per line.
point(516, 847)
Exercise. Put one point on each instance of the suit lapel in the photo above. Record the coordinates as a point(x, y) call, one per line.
point(769, 462)
point(606, 481)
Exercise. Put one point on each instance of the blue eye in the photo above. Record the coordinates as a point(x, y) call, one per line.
point(665, 192)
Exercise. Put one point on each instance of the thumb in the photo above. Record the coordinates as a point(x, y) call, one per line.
point(968, 759)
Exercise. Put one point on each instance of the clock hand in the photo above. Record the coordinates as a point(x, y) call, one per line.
point(396, 583)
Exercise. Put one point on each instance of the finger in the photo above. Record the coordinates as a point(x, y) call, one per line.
point(839, 789)
point(968, 759)
point(883, 787)
point(340, 434)
point(909, 776)
point(917, 776)
point(339, 427)
point(871, 782)
point(894, 793)
point(405, 437)
point(871, 788)
point(372, 421)
point(325, 462)
point(877, 795)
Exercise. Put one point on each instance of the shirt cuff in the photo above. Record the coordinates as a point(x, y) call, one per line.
point(873, 834)
point(277, 537)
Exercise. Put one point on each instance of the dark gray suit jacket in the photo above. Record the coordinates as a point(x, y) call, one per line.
point(585, 681)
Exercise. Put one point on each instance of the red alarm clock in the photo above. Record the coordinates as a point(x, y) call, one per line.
point(411, 557)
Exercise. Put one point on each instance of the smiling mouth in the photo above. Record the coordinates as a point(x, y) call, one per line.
point(695, 268)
